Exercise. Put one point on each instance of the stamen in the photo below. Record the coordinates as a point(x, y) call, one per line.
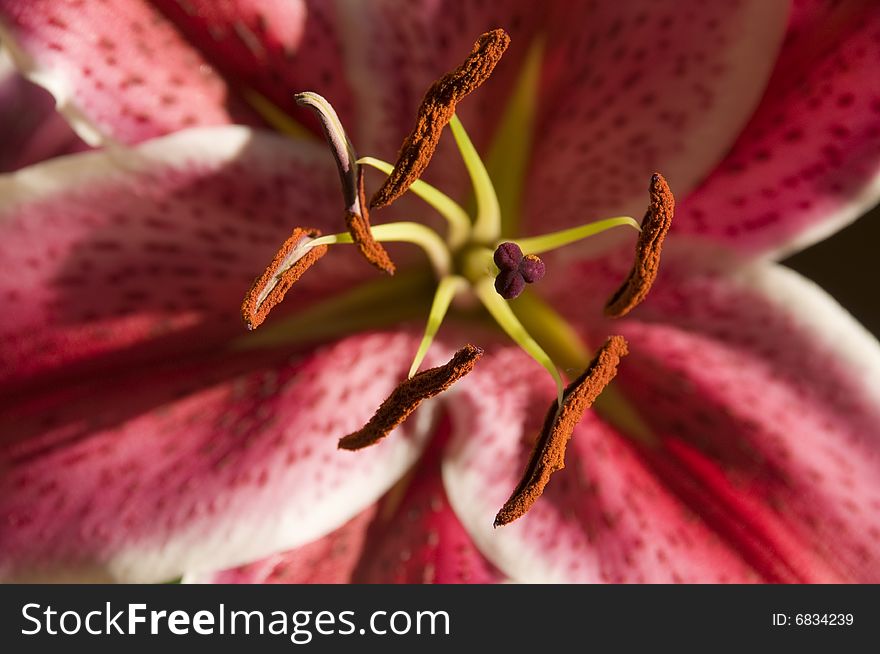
point(407, 397)
point(295, 256)
point(436, 110)
point(458, 219)
point(487, 223)
point(340, 146)
point(404, 232)
point(655, 225)
point(375, 304)
point(359, 227)
point(554, 240)
point(357, 217)
point(564, 345)
point(504, 316)
point(548, 455)
point(446, 290)
point(511, 148)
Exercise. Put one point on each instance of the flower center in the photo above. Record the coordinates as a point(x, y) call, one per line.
point(470, 261)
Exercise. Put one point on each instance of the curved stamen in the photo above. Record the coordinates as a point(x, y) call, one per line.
point(403, 232)
point(357, 215)
point(296, 255)
point(548, 455)
point(375, 304)
point(564, 345)
point(508, 157)
point(487, 225)
point(547, 242)
point(435, 111)
point(446, 290)
point(504, 316)
point(655, 226)
point(458, 219)
point(340, 146)
point(407, 397)
point(358, 224)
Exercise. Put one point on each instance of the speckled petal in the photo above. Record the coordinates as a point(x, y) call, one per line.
point(605, 517)
point(197, 466)
point(110, 251)
point(328, 560)
point(117, 69)
point(418, 538)
point(630, 88)
point(275, 47)
point(411, 536)
point(808, 162)
point(768, 393)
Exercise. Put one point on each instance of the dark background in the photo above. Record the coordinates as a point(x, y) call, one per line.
point(844, 266)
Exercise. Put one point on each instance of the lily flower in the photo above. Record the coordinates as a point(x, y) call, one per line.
point(146, 435)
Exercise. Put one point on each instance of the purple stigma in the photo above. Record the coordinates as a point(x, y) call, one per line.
point(532, 269)
point(515, 270)
point(508, 256)
point(509, 284)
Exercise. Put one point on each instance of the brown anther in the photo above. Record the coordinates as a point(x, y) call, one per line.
point(407, 397)
point(436, 110)
point(286, 268)
point(359, 227)
point(655, 225)
point(548, 455)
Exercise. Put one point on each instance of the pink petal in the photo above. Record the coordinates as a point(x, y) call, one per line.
point(772, 393)
point(30, 128)
point(411, 536)
point(808, 162)
point(328, 560)
point(419, 539)
point(196, 466)
point(114, 250)
point(117, 69)
point(606, 517)
point(275, 47)
point(630, 88)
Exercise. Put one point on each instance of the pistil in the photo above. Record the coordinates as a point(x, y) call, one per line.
point(516, 270)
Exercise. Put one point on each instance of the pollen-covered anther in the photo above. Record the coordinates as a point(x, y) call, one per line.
point(351, 176)
point(515, 270)
point(435, 112)
point(407, 397)
point(358, 224)
point(290, 262)
point(548, 455)
point(655, 226)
